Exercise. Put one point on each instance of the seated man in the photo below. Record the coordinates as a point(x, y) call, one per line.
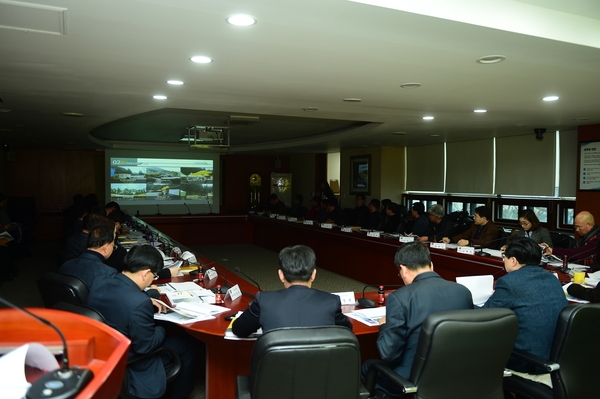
point(334, 213)
point(315, 208)
point(275, 206)
point(297, 210)
point(360, 211)
point(90, 264)
point(126, 308)
point(374, 219)
point(420, 226)
point(295, 306)
point(535, 295)
point(77, 242)
point(408, 307)
point(482, 232)
point(441, 226)
point(394, 222)
point(588, 243)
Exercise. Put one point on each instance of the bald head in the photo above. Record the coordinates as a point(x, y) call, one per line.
point(584, 222)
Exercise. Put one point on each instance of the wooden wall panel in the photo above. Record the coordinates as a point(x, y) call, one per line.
point(587, 200)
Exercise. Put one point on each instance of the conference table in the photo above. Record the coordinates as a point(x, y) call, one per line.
point(354, 255)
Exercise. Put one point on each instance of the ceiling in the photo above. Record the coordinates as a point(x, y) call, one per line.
point(107, 59)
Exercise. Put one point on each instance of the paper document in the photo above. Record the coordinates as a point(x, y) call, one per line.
point(230, 335)
point(571, 298)
point(481, 287)
point(370, 317)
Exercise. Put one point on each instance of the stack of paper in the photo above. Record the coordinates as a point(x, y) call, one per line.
point(593, 279)
point(369, 317)
point(481, 287)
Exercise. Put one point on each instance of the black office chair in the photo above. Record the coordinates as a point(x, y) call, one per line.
point(460, 354)
point(304, 362)
point(573, 363)
point(79, 309)
point(55, 287)
point(560, 240)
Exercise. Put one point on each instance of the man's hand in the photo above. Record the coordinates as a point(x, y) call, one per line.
point(547, 248)
point(161, 308)
point(462, 243)
point(382, 320)
point(446, 240)
point(174, 271)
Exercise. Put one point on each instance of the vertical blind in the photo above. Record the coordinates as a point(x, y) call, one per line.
point(425, 168)
point(470, 167)
point(568, 164)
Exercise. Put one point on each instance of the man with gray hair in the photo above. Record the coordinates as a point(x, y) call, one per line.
point(441, 226)
point(298, 305)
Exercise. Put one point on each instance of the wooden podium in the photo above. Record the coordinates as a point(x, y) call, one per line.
point(91, 344)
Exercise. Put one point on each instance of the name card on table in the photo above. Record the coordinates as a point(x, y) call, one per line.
point(346, 229)
point(281, 217)
point(273, 215)
point(375, 234)
point(406, 238)
point(438, 245)
point(211, 273)
point(234, 292)
point(292, 220)
point(466, 250)
point(326, 226)
point(347, 298)
point(308, 222)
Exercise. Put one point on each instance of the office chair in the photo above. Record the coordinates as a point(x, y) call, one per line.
point(55, 287)
point(560, 240)
point(304, 362)
point(460, 354)
point(573, 359)
point(79, 309)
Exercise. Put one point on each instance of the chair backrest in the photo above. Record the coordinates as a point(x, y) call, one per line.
point(55, 287)
point(79, 309)
point(306, 362)
point(575, 349)
point(464, 352)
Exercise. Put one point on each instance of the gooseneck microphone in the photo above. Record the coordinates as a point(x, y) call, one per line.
point(64, 383)
point(238, 270)
point(486, 254)
point(209, 206)
point(368, 303)
point(157, 210)
point(188, 208)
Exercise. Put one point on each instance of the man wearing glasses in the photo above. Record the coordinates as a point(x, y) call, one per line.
point(586, 246)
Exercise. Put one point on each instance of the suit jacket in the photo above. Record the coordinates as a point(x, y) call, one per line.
point(537, 298)
point(406, 310)
point(296, 306)
point(421, 226)
point(586, 247)
point(130, 311)
point(540, 235)
point(488, 234)
point(87, 267)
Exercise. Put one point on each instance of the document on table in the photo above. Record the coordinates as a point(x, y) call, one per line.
point(190, 312)
point(571, 298)
point(369, 317)
point(230, 335)
point(481, 287)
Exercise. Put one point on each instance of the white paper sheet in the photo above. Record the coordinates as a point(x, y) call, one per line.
point(481, 287)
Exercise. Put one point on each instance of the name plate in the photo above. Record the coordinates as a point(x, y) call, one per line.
point(326, 226)
point(347, 298)
point(273, 215)
point(234, 292)
point(466, 250)
point(438, 245)
point(308, 222)
point(211, 273)
point(375, 234)
point(281, 217)
point(346, 229)
point(406, 238)
point(292, 219)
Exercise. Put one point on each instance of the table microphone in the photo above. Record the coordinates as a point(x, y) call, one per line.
point(64, 383)
point(368, 303)
point(238, 270)
point(209, 207)
point(188, 208)
point(487, 254)
point(157, 210)
point(587, 251)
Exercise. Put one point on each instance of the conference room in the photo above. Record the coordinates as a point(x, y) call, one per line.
point(434, 104)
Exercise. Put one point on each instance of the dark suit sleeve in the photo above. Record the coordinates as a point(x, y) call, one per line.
point(589, 294)
point(502, 296)
point(144, 335)
point(249, 321)
point(164, 273)
point(391, 341)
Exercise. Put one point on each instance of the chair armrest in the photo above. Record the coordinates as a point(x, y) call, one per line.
point(398, 380)
point(535, 360)
point(242, 388)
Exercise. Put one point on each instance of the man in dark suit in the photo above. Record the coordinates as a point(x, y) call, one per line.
point(121, 300)
point(408, 307)
point(535, 296)
point(90, 264)
point(360, 211)
point(482, 232)
point(298, 305)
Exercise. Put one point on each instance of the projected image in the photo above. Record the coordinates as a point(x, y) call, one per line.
point(154, 179)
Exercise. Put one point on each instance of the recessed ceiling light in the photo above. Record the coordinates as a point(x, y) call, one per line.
point(399, 133)
point(159, 97)
point(428, 118)
point(480, 111)
point(310, 109)
point(580, 119)
point(410, 85)
point(241, 20)
point(491, 59)
point(72, 114)
point(201, 59)
point(352, 100)
point(5, 110)
point(434, 135)
point(550, 98)
point(175, 82)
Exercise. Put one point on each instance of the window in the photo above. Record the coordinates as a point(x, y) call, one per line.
point(541, 212)
point(510, 212)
